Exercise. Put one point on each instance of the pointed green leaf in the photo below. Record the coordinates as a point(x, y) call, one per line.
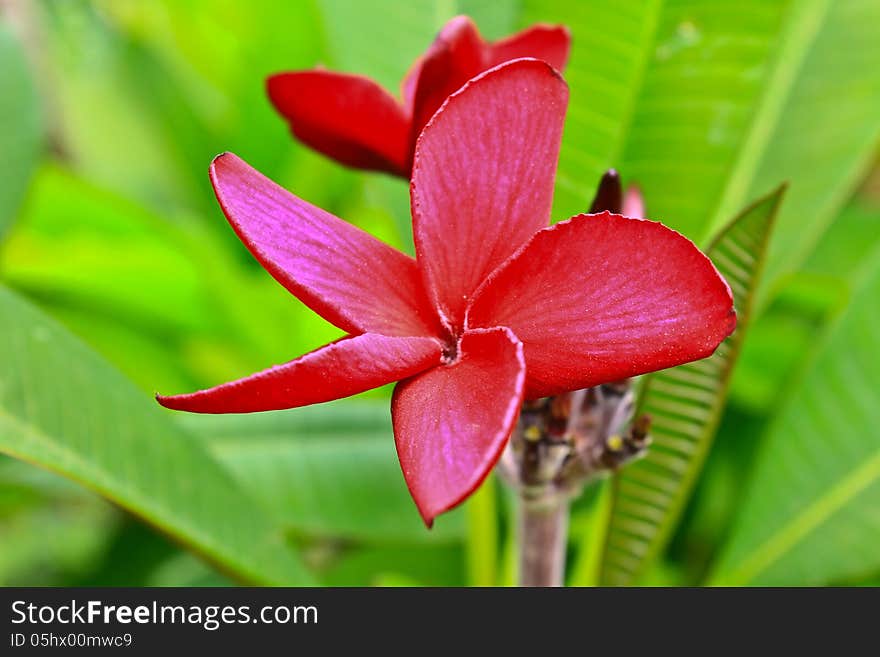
point(64, 409)
point(809, 513)
point(685, 405)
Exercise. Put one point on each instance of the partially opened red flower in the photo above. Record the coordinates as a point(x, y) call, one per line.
point(497, 308)
point(353, 120)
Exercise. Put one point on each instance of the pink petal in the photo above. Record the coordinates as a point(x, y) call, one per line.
point(452, 422)
point(550, 43)
point(347, 117)
point(345, 275)
point(460, 53)
point(483, 177)
point(457, 55)
point(633, 204)
point(602, 297)
point(339, 369)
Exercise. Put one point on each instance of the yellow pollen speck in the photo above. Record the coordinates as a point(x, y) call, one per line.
point(614, 443)
point(532, 433)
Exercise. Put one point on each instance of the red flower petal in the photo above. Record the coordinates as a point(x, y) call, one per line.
point(550, 43)
point(457, 54)
point(347, 117)
point(460, 53)
point(483, 177)
point(602, 297)
point(452, 422)
point(345, 275)
point(337, 370)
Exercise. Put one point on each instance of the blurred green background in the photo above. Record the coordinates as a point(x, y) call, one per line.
point(119, 278)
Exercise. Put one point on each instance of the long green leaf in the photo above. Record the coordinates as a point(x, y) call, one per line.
point(328, 470)
point(51, 527)
point(66, 410)
point(20, 126)
point(612, 45)
point(685, 405)
point(139, 289)
point(809, 513)
point(662, 90)
point(707, 105)
point(835, 99)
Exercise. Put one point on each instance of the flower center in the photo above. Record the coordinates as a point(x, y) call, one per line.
point(450, 348)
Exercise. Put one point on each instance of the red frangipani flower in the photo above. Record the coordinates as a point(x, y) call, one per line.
point(353, 120)
point(497, 308)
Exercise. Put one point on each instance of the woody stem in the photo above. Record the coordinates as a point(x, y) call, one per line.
point(543, 531)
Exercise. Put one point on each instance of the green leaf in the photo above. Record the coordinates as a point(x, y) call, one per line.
point(326, 470)
point(185, 570)
point(662, 91)
point(53, 544)
point(66, 410)
point(131, 556)
point(612, 45)
point(591, 534)
point(138, 288)
point(52, 529)
point(809, 513)
point(20, 126)
point(177, 83)
point(430, 565)
point(354, 28)
point(100, 251)
point(481, 545)
point(847, 244)
point(212, 58)
point(778, 340)
point(708, 105)
point(835, 99)
point(685, 405)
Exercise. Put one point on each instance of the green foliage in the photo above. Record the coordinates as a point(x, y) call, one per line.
point(808, 515)
point(20, 126)
point(834, 97)
point(708, 105)
point(482, 535)
point(685, 405)
point(53, 529)
point(328, 470)
point(432, 565)
point(165, 301)
point(64, 409)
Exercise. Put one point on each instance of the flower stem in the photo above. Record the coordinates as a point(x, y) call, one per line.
point(543, 533)
point(558, 445)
